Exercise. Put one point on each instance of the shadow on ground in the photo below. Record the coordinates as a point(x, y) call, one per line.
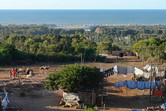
point(32, 97)
point(130, 101)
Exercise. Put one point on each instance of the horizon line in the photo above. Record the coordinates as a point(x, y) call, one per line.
point(82, 9)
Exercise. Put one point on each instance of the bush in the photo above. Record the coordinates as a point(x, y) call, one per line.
point(72, 78)
point(90, 109)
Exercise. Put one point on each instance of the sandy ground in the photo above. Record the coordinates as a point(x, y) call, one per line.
point(39, 99)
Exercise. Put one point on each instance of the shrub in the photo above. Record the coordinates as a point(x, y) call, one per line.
point(72, 78)
point(90, 109)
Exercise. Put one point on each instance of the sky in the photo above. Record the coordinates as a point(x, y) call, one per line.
point(82, 4)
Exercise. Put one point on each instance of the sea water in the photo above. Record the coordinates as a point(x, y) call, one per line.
point(83, 17)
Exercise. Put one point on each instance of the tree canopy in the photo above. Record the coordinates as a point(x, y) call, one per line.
point(153, 48)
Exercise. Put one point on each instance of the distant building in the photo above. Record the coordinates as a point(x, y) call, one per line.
point(118, 53)
point(88, 28)
point(104, 55)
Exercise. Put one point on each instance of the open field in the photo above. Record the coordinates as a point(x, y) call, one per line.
point(38, 99)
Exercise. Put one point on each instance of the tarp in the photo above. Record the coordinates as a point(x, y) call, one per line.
point(130, 70)
point(148, 68)
point(141, 85)
point(156, 69)
point(157, 92)
point(138, 71)
point(132, 84)
point(115, 68)
point(163, 105)
point(71, 97)
point(5, 101)
point(102, 70)
point(138, 84)
point(146, 75)
point(153, 84)
point(120, 84)
point(122, 70)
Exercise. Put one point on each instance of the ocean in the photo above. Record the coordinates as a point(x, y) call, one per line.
point(83, 17)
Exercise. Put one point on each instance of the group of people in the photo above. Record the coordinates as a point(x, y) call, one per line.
point(14, 72)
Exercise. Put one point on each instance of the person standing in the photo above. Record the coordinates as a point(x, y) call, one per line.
point(10, 74)
point(14, 73)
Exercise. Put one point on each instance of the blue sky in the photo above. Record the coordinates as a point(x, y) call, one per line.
point(82, 4)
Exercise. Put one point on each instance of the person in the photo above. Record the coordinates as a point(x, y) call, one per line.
point(27, 71)
point(10, 74)
point(14, 72)
point(31, 73)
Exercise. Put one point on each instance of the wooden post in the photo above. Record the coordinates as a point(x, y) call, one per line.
point(142, 60)
point(126, 90)
point(92, 98)
point(116, 59)
point(101, 100)
point(151, 84)
point(164, 72)
point(159, 69)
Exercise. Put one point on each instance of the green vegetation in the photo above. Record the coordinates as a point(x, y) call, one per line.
point(123, 36)
point(73, 78)
point(46, 43)
point(106, 47)
point(90, 109)
point(48, 48)
point(153, 48)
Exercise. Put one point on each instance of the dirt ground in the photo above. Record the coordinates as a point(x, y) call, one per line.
point(36, 98)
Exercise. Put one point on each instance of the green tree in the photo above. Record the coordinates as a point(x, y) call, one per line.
point(72, 78)
point(104, 48)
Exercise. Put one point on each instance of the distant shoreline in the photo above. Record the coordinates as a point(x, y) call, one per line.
point(80, 26)
point(77, 9)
